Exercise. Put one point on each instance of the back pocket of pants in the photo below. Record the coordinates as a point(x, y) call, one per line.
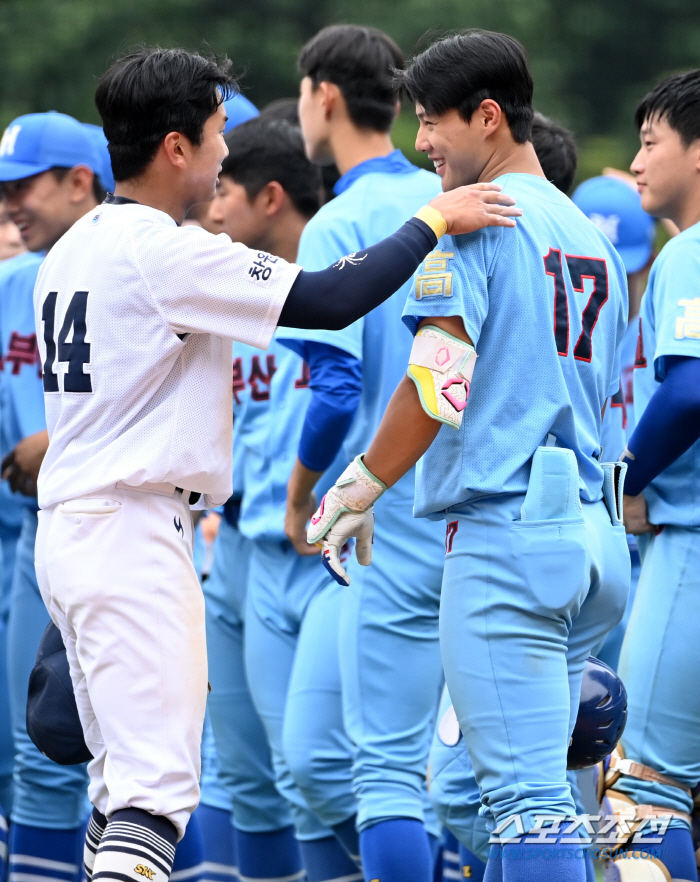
point(551, 555)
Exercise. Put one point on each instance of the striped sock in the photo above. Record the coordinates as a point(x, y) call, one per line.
point(93, 834)
point(38, 854)
point(135, 847)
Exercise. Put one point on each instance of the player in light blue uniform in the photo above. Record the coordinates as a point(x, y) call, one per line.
point(615, 208)
point(49, 800)
point(453, 789)
point(390, 611)
point(662, 505)
point(259, 590)
point(536, 569)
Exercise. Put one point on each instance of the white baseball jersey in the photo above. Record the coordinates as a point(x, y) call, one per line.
point(135, 319)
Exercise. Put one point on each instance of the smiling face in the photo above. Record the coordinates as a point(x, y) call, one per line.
point(457, 148)
point(42, 206)
point(666, 169)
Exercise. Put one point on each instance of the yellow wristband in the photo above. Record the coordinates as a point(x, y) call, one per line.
point(432, 217)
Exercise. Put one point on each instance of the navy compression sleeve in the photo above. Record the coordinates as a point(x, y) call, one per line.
point(336, 385)
point(335, 297)
point(669, 426)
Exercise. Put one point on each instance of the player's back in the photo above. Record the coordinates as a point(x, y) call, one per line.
point(546, 307)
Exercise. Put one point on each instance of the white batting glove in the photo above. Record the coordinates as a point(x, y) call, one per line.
point(347, 511)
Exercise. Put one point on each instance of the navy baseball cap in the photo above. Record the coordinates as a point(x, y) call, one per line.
point(616, 209)
point(104, 172)
point(239, 110)
point(36, 142)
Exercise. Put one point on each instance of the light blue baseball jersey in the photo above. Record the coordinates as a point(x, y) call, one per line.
point(375, 198)
point(545, 305)
point(21, 390)
point(670, 325)
point(266, 433)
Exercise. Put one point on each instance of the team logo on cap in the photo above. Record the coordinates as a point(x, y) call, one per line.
point(9, 139)
point(607, 224)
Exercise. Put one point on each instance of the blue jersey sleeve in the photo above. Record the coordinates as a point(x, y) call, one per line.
point(676, 304)
point(453, 280)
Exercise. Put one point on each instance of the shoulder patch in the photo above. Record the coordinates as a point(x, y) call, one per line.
point(261, 269)
point(435, 279)
point(688, 325)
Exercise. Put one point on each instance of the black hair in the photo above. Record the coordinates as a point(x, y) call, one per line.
point(98, 191)
point(263, 150)
point(361, 62)
point(460, 72)
point(149, 93)
point(677, 100)
point(556, 150)
point(282, 108)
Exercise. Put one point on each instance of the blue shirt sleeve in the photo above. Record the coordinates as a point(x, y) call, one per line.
point(453, 280)
point(669, 426)
point(676, 304)
point(336, 386)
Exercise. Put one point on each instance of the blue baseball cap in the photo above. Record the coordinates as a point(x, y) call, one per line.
point(104, 172)
point(239, 110)
point(616, 209)
point(36, 142)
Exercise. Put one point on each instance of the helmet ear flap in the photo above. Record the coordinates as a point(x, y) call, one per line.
point(601, 718)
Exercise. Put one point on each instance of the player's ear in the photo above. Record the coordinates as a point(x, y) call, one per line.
point(273, 196)
point(176, 148)
point(330, 95)
point(80, 179)
point(490, 115)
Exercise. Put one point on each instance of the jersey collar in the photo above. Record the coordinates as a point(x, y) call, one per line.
point(111, 199)
point(395, 163)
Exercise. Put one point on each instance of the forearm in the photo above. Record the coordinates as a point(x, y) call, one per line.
point(301, 484)
point(404, 435)
point(669, 426)
point(339, 295)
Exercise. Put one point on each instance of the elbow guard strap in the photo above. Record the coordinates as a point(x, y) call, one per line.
point(441, 366)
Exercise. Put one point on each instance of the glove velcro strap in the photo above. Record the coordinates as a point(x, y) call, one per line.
point(441, 366)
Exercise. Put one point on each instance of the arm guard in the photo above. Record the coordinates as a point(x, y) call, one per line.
point(441, 366)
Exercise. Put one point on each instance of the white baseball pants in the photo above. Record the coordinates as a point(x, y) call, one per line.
point(115, 571)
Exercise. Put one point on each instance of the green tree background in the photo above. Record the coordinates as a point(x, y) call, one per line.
point(592, 59)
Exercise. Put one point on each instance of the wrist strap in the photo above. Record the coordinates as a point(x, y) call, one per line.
point(432, 217)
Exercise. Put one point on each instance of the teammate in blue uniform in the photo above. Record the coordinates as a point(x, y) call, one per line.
point(525, 326)
point(47, 165)
point(453, 789)
point(662, 503)
point(390, 611)
point(10, 525)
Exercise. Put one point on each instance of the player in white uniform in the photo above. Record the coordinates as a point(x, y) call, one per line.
point(136, 318)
